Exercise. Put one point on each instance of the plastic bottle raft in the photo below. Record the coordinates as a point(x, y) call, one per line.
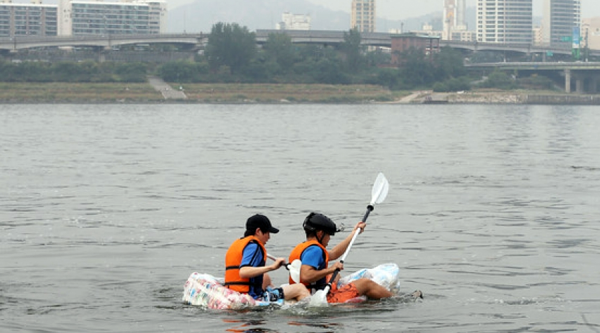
point(208, 291)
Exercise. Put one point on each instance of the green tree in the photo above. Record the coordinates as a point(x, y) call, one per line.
point(500, 80)
point(330, 72)
point(230, 45)
point(279, 48)
point(537, 82)
point(415, 69)
point(378, 58)
point(131, 72)
point(449, 64)
point(352, 50)
point(177, 71)
point(34, 72)
point(70, 72)
point(387, 77)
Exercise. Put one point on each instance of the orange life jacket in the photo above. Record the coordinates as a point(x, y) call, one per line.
point(297, 254)
point(233, 260)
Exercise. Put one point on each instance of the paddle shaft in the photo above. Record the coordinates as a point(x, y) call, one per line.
point(356, 233)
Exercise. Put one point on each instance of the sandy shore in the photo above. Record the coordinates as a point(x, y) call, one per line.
point(500, 97)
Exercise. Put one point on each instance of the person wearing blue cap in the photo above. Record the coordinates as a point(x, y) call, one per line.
point(245, 264)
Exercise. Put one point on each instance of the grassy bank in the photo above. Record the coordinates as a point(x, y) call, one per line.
point(297, 93)
point(57, 92)
point(196, 93)
point(257, 93)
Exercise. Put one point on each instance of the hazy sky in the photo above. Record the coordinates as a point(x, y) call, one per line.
point(402, 9)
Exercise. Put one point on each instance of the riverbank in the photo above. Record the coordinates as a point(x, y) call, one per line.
point(267, 93)
point(194, 93)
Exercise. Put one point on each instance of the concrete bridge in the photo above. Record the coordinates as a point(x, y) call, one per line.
point(197, 40)
point(15, 44)
point(585, 74)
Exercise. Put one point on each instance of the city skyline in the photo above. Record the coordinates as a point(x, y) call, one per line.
point(402, 9)
point(396, 9)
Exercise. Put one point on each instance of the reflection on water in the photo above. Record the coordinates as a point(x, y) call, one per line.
point(106, 209)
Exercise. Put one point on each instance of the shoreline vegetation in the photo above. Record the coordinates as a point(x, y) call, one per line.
point(234, 93)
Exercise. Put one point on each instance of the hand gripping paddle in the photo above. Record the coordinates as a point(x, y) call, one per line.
point(294, 268)
point(378, 194)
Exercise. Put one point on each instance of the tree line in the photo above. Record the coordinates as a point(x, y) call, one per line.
point(86, 71)
point(232, 55)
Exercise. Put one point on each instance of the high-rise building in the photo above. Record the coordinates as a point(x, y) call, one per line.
point(363, 15)
point(32, 19)
point(504, 21)
point(559, 19)
point(80, 17)
point(291, 21)
point(454, 18)
point(590, 32)
point(538, 36)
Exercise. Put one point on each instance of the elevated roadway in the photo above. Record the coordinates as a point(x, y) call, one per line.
point(585, 74)
point(101, 42)
point(193, 41)
point(196, 40)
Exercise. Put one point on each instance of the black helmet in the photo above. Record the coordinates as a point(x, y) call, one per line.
point(316, 222)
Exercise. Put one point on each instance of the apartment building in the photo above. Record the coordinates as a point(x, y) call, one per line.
point(363, 15)
point(31, 19)
point(454, 19)
point(538, 36)
point(79, 17)
point(291, 21)
point(560, 19)
point(590, 33)
point(504, 21)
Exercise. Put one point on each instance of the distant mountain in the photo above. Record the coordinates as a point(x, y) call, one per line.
point(256, 14)
point(265, 14)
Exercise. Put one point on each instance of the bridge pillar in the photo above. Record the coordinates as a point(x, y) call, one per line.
point(593, 85)
point(101, 57)
point(579, 85)
point(567, 81)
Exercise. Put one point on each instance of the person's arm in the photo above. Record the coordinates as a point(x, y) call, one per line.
point(309, 274)
point(313, 258)
point(339, 249)
point(252, 258)
point(248, 272)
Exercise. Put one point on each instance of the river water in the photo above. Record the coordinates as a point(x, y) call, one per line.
point(493, 212)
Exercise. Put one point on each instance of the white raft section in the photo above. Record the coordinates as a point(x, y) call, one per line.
point(208, 291)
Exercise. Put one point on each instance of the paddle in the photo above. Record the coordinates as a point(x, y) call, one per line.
point(378, 194)
point(294, 268)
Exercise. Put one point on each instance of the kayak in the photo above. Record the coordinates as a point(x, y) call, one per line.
point(208, 291)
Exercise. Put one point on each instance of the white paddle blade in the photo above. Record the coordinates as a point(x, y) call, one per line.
point(319, 298)
point(294, 268)
point(380, 189)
